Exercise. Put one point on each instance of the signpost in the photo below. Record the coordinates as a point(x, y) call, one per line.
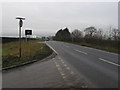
point(20, 26)
point(28, 32)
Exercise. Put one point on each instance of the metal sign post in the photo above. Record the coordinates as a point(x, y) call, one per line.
point(28, 33)
point(20, 26)
point(26, 38)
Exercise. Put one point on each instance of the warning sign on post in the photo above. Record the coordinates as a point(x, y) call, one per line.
point(28, 32)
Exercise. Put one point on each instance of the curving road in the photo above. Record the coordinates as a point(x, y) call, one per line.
point(74, 66)
point(98, 67)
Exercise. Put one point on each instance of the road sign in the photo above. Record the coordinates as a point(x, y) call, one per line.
point(28, 32)
point(20, 26)
point(21, 23)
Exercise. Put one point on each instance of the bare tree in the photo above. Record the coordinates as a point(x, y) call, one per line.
point(90, 31)
point(76, 35)
point(118, 34)
point(99, 34)
point(115, 34)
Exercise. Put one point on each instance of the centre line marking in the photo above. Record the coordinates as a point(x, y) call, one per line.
point(109, 62)
point(81, 51)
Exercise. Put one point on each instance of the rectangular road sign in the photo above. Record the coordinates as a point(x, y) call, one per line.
point(28, 32)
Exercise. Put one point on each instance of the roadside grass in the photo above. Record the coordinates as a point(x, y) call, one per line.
point(31, 50)
point(108, 48)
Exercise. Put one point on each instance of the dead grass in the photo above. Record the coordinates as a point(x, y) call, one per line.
point(30, 51)
point(105, 48)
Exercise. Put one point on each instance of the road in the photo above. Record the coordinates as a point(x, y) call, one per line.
point(74, 66)
point(36, 75)
point(97, 67)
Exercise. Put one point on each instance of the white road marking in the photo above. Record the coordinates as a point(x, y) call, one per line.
point(81, 51)
point(109, 62)
point(51, 47)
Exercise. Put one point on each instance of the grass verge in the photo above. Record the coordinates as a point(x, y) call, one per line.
point(101, 47)
point(30, 51)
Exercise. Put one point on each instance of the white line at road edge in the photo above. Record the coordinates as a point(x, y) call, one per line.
point(81, 51)
point(51, 47)
point(109, 62)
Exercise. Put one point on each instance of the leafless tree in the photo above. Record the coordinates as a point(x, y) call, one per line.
point(99, 34)
point(115, 34)
point(90, 31)
point(76, 35)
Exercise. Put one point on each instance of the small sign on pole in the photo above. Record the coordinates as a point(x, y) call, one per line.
point(28, 32)
point(21, 23)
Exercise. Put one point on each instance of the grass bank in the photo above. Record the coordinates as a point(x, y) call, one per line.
point(108, 48)
point(30, 51)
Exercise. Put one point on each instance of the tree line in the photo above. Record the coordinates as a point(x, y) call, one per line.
point(90, 35)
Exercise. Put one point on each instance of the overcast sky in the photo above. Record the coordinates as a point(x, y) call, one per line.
point(48, 17)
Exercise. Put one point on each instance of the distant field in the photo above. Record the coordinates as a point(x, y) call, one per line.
point(30, 51)
point(12, 39)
